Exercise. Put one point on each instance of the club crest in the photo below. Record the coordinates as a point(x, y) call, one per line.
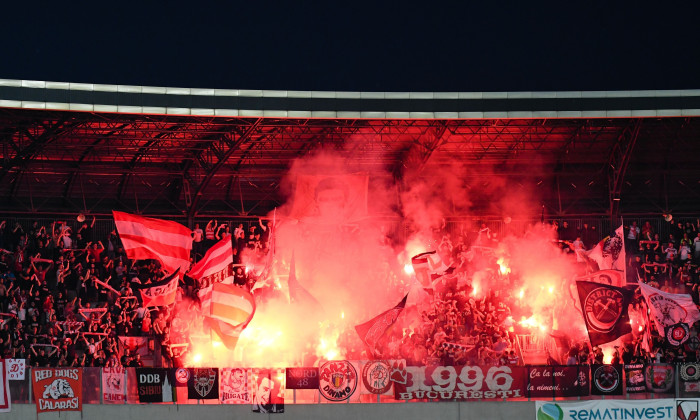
point(603, 307)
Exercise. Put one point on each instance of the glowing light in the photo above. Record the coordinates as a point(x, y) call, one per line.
point(551, 289)
point(216, 344)
point(342, 315)
point(521, 294)
point(608, 355)
point(502, 267)
point(408, 269)
point(197, 358)
point(533, 323)
point(641, 328)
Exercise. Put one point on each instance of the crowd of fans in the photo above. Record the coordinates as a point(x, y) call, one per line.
point(457, 325)
point(67, 296)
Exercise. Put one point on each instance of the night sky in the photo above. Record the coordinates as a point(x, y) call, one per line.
point(355, 46)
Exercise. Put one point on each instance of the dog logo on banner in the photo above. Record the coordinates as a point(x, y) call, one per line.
point(687, 409)
point(338, 380)
point(204, 380)
point(59, 388)
point(376, 376)
point(603, 308)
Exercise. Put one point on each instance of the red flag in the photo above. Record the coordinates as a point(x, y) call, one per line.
point(372, 331)
point(217, 260)
point(146, 238)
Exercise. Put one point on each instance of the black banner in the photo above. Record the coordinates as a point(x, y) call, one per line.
point(557, 381)
point(154, 385)
point(634, 378)
point(203, 384)
point(302, 378)
point(606, 380)
point(604, 310)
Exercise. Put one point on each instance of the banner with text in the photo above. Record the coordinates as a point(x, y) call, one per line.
point(461, 383)
point(234, 387)
point(660, 409)
point(57, 389)
point(114, 385)
point(558, 381)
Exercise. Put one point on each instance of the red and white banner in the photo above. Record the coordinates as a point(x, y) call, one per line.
point(58, 389)
point(146, 238)
point(5, 403)
point(217, 259)
point(113, 385)
point(15, 369)
point(234, 387)
point(375, 376)
point(459, 383)
point(668, 309)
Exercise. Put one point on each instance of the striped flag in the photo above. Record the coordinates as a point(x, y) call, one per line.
point(229, 309)
point(215, 264)
point(146, 238)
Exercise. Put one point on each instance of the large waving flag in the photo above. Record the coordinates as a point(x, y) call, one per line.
point(146, 238)
point(673, 314)
point(373, 330)
point(216, 264)
point(604, 310)
point(229, 309)
point(610, 252)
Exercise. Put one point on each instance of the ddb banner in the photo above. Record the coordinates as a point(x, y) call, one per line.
point(660, 409)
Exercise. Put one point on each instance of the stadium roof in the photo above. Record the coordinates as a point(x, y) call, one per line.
point(71, 147)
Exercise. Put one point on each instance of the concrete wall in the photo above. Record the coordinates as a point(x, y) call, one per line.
point(404, 411)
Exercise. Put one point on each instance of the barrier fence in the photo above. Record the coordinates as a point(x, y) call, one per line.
point(373, 382)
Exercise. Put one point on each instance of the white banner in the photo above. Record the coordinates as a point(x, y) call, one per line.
point(113, 385)
point(15, 368)
point(661, 409)
point(669, 309)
